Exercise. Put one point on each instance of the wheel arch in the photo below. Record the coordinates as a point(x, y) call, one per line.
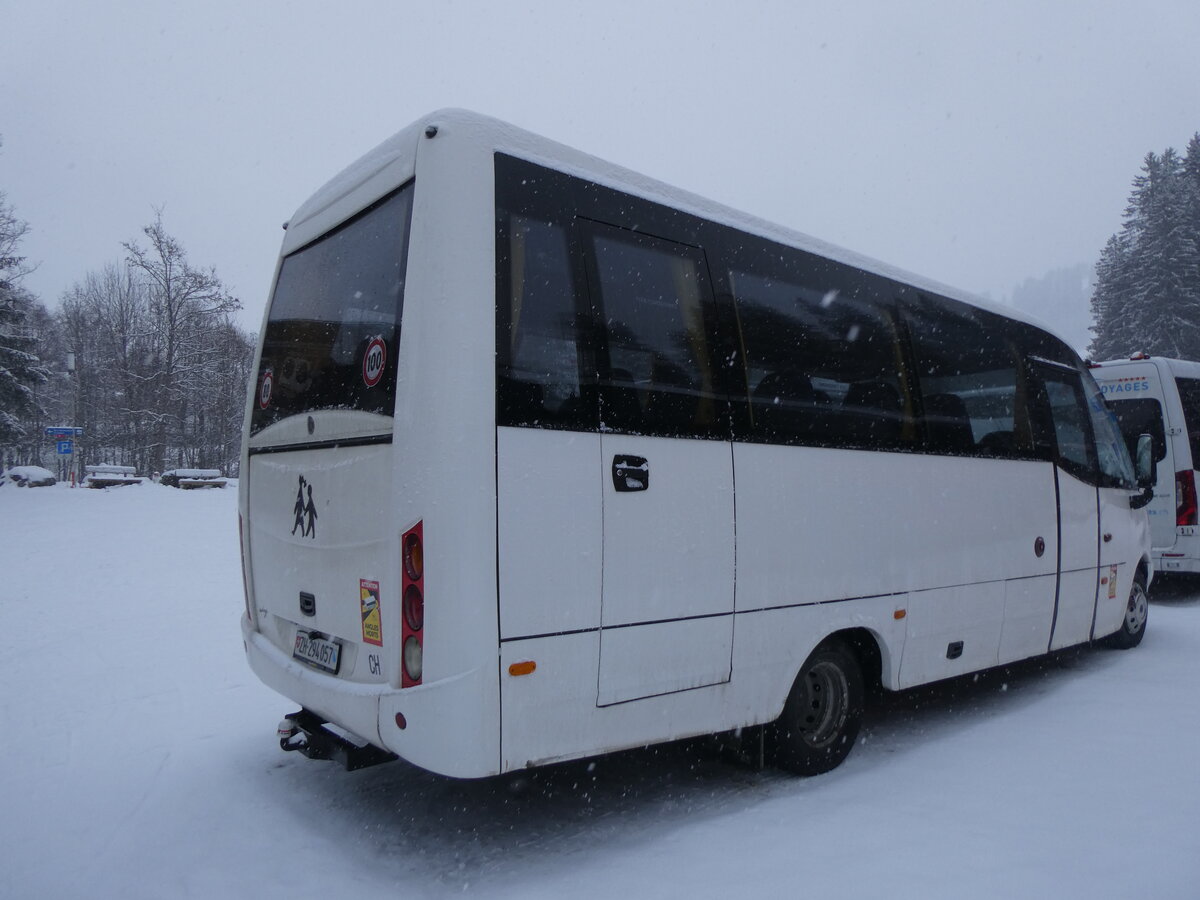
point(1145, 568)
point(869, 649)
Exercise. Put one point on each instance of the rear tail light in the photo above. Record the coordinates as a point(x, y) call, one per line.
point(412, 601)
point(1185, 497)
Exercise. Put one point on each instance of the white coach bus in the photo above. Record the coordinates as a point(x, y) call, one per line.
point(546, 459)
point(1161, 397)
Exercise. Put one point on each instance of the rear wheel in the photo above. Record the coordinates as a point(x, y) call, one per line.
point(1133, 626)
point(822, 715)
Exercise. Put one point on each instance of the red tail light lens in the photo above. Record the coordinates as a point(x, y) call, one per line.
point(414, 608)
point(414, 558)
point(1185, 497)
point(412, 602)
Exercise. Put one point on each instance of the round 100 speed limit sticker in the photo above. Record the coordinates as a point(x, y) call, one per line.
point(373, 361)
point(264, 389)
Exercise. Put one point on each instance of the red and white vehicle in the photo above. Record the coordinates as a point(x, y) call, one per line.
point(1161, 397)
point(545, 459)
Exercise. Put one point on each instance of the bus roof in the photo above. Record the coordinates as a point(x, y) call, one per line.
point(393, 161)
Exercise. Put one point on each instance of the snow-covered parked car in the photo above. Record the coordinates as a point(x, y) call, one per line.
point(28, 476)
point(192, 478)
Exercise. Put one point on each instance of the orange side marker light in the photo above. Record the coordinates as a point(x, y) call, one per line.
point(522, 668)
point(899, 614)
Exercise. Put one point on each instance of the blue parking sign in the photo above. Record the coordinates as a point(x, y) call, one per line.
point(66, 448)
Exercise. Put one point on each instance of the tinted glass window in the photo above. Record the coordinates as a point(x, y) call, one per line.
point(1138, 417)
point(1071, 423)
point(1116, 466)
point(1189, 394)
point(821, 355)
point(969, 380)
point(333, 331)
point(538, 353)
point(656, 305)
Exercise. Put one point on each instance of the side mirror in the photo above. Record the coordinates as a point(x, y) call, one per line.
point(1146, 470)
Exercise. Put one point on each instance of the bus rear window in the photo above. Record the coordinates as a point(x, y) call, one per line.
point(333, 331)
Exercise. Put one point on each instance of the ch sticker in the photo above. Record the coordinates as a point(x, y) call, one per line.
point(368, 600)
point(1112, 582)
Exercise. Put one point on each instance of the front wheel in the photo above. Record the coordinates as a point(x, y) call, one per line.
point(1133, 626)
point(822, 715)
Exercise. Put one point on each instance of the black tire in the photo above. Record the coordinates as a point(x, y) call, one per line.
point(1133, 625)
point(823, 713)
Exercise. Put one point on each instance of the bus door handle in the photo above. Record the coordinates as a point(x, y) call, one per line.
point(630, 473)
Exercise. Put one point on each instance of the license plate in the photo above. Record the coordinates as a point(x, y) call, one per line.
point(317, 651)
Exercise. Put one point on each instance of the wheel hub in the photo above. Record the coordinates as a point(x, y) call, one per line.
point(825, 704)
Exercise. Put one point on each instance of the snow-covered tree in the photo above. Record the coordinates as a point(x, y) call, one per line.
point(20, 369)
point(161, 368)
point(185, 304)
point(1111, 299)
point(1147, 294)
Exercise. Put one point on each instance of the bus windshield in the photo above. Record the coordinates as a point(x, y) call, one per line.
point(333, 331)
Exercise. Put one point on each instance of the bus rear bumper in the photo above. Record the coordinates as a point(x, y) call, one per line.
point(354, 707)
point(409, 722)
point(1166, 563)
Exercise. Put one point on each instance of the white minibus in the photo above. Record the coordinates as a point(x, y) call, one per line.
point(1161, 397)
point(545, 459)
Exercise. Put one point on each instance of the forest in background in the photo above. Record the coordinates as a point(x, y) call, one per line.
point(1147, 291)
point(143, 355)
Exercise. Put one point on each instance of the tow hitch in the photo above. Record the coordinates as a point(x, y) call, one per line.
point(305, 731)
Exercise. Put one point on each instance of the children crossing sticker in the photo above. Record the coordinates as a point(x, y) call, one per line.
point(368, 599)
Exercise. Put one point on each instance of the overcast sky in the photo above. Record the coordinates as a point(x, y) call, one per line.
point(976, 144)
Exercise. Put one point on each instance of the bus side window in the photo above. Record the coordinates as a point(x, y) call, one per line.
point(1070, 423)
point(539, 379)
point(968, 380)
point(1115, 462)
point(656, 304)
point(821, 358)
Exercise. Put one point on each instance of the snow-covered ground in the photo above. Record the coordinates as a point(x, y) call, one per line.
point(138, 759)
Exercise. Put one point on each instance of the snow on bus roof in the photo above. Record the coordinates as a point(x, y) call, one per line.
point(389, 162)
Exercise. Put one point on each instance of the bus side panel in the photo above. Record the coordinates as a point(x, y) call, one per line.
point(551, 713)
point(1080, 559)
point(817, 525)
point(1028, 618)
point(549, 514)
